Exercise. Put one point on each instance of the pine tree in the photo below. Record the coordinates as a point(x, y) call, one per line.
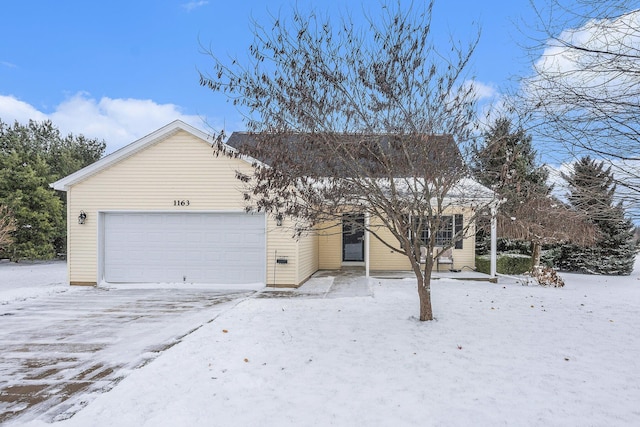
point(37, 211)
point(31, 157)
point(506, 163)
point(592, 191)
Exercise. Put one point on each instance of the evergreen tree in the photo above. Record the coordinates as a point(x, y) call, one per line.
point(506, 163)
point(31, 157)
point(592, 191)
point(37, 211)
point(64, 155)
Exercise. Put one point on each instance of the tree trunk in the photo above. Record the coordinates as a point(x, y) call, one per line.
point(535, 256)
point(422, 277)
point(424, 289)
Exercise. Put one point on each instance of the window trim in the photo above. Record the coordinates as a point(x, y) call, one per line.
point(444, 235)
point(454, 225)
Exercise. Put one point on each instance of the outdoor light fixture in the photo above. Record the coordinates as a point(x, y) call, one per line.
point(279, 220)
point(82, 217)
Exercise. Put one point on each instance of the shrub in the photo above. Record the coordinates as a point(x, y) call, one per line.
point(506, 264)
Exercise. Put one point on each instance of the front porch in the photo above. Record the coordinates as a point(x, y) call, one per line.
point(353, 282)
point(436, 275)
point(347, 274)
point(349, 243)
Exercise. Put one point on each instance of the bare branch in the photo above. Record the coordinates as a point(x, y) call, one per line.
point(344, 120)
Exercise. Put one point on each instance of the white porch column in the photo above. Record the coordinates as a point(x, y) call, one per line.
point(494, 241)
point(366, 244)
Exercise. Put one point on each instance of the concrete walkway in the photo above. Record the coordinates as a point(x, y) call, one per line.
point(348, 282)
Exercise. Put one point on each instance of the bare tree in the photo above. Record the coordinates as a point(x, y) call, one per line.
point(542, 220)
point(585, 91)
point(366, 120)
point(7, 227)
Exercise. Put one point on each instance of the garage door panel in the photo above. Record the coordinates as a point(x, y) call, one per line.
point(196, 247)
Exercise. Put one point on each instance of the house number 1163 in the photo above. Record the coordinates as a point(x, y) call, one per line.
point(180, 203)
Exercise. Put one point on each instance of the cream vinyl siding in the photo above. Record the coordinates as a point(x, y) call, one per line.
point(383, 258)
point(178, 167)
point(281, 244)
point(466, 257)
point(307, 256)
point(301, 255)
point(330, 246)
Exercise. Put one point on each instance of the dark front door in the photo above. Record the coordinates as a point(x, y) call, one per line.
point(353, 237)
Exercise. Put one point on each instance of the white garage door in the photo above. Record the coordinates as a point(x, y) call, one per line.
point(222, 248)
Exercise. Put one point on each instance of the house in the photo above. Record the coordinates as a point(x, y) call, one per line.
point(165, 209)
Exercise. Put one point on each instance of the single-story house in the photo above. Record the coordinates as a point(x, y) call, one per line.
point(165, 209)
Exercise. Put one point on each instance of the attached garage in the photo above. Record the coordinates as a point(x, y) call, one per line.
point(166, 209)
point(188, 247)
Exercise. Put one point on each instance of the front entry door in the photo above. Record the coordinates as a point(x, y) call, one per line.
point(353, 237)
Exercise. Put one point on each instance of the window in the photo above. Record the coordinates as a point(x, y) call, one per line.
point(424, 232)
point(444, 236)
point(451, 226)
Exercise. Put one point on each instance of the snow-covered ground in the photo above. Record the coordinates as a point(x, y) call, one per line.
point(29, 280)
point(60, 346)
point(498, 354)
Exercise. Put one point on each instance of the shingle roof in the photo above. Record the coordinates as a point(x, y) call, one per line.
point(334, 154)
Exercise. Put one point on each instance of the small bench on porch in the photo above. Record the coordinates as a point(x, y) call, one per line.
point(441, 256)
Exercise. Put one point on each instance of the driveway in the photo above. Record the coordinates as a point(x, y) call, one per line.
point(58, 350)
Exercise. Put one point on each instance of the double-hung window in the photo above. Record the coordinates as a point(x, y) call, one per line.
point(450, 227)
point(444, 235)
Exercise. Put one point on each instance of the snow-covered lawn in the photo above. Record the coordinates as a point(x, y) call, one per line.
point(498, 354)
point(29, 280)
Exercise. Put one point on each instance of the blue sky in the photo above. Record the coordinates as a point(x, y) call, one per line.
point(118, 70)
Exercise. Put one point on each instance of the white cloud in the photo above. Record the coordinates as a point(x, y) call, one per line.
point(194, 5)
point(482, 91)
point(491, 103)
point(117, 121)
point(12, 109)
point(574, 60)
point(8, 64)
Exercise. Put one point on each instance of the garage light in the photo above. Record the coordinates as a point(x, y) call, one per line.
point(82, 217)
point(279, 220)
